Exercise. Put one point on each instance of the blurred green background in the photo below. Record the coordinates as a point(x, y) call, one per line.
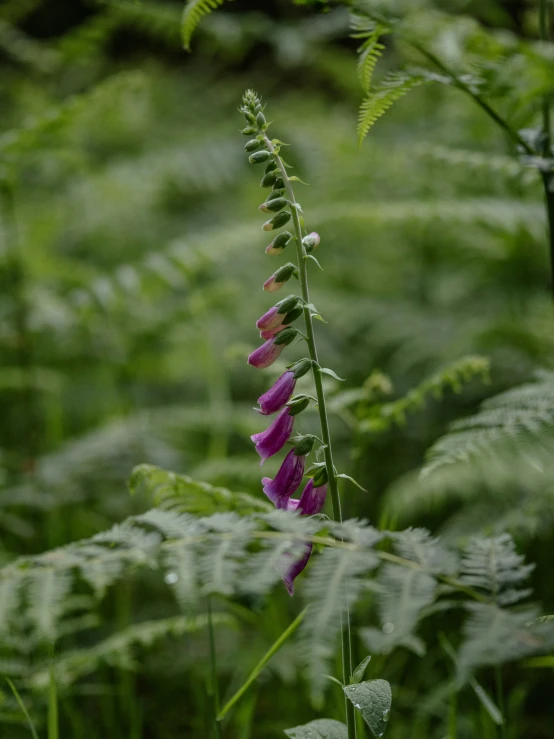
point(131, 266)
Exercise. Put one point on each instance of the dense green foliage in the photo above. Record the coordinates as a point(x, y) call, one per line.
point(131, 265)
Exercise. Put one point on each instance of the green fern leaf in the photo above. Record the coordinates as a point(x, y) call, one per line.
point(494, 635)
point(525, 412)
point(193, 13)
point(393, 87)
point(325, 591)
point(493, 565)
point(369, 54)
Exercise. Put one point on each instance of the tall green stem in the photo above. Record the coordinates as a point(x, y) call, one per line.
point(325, 434)
point(213, 674)
point(547, 177)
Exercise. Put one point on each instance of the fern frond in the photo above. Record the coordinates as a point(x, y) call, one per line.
point(521, 413)
point(369, 54)
point(325, 591)
point(381, 417)
point(402, 594)
point(118, 650)
point(393, 87)
point(494, 635)
point(493, 565)
point(181, 493)
point(193, 13)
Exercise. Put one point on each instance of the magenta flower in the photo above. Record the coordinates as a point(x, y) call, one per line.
point(271, 332)
point(274, 438)
point(276, 397)
point(266, 354)
point(311, 501)
point(296, 567)
point(286, 481)
point(271, 319)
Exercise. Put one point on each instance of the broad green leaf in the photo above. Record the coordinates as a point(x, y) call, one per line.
point(358, 674)
point(373, 700)
point(323, 728)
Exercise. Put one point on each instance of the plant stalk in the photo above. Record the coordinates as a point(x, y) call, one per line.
point(325, 434)
point(547, 177)
point(213, 673)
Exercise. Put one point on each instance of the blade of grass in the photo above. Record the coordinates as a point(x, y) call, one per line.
point(261, 664)
point(23, 708)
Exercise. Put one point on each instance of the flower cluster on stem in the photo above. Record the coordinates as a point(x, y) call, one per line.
point(276, 327)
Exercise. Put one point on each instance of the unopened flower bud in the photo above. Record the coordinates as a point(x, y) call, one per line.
point(297, 404)
point(285, 337)
point(250, 117)
point(249, 130)
point(279, 243)
point(260, 120)
point(275, 194)
point(271, 166)
point(311, 241)
point(304, 446)
point(276, 281)
point(287, 304)
point(269, 179)
point(279, 184)
point(302, 367)
point(277, 221)
point(293, 315)
point(259, 156)
point(252, 145)
point(321, 477)
point(275, 205)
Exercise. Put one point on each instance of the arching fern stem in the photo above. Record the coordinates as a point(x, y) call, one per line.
point(514, 136)
point(325, 434)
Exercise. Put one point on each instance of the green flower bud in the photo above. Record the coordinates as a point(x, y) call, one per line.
point(279, 243)
point(321, 477)
point(287, 304)
point(274, 205)
point(302, 367)
point(297, 404)
point(269, 179)
point(272, 166)
point(304, 446)
point(277, 221)
point(260, 120)
point(250, 117)
point(259, 156)
point(249, 130)
point(293, 315)
point(275, 194)
point(279, 183)
point(258, 108)
point(285, 336)
point(252, 145)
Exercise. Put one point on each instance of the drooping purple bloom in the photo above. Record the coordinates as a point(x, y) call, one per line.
point(311, 501)
point(276, 397)
point(296, 567)
point(266, 354)
point(274, 438)
point(269, 333)
point(286, 481)
point(270, 319)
